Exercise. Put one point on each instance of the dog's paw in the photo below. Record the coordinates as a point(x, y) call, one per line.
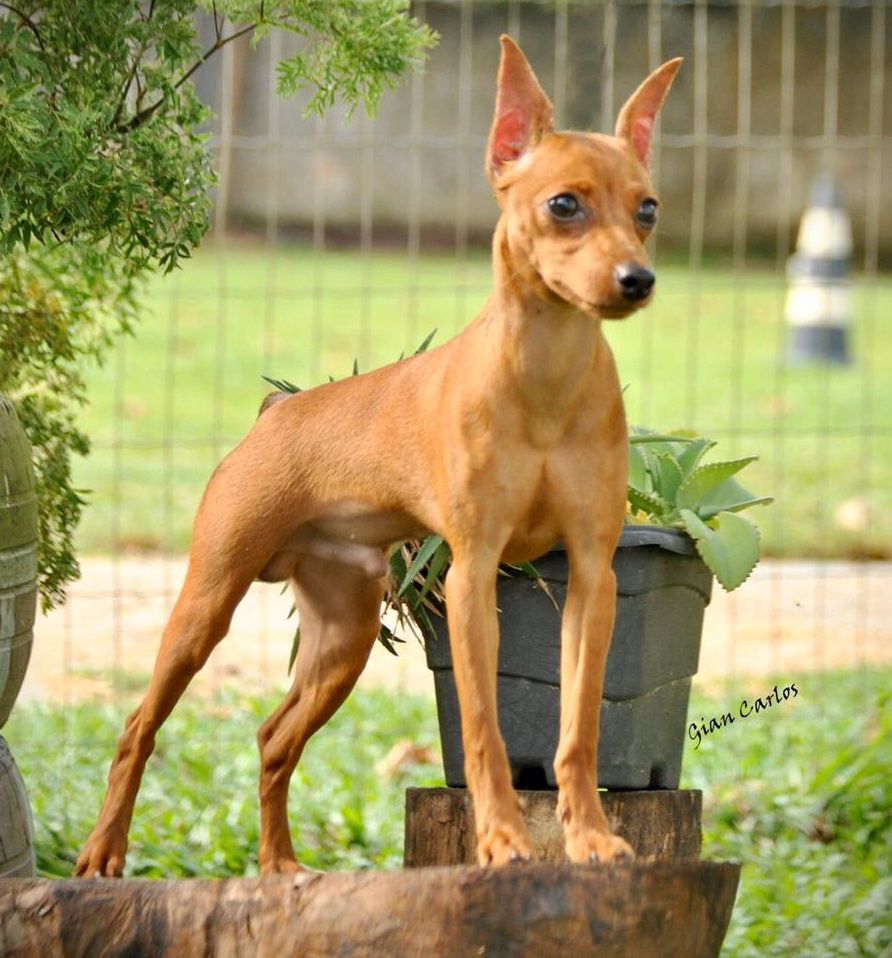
point(101, 857)
point(281, 865)
point(504, 845)
point(598, 847)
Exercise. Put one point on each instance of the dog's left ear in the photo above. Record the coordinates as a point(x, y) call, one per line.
point(636, 119)
point(523, 112)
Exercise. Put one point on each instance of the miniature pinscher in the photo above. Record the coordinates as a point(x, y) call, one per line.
point(509, 437)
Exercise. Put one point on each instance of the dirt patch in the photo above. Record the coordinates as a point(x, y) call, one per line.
point(789, 618)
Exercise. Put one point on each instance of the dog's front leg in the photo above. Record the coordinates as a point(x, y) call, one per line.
point(586, 630)
point(474, 639)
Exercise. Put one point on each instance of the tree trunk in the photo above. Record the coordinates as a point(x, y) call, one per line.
point(540, 910)
point(659, 825)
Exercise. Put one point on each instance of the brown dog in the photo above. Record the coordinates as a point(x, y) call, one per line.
point(509, 436)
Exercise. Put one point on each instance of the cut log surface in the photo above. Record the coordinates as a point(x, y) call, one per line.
point(659, 825)
point(542, 910)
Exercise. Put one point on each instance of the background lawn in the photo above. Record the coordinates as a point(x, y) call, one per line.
point(186, 388)
point(800, 794)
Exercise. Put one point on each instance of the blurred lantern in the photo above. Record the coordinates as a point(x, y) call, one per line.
point(819, 296)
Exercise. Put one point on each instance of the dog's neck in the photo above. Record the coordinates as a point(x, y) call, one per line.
point(547, 346)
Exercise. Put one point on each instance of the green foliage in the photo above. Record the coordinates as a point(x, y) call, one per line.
point(197, 813)
point(669, 485)
point(99, 141)
point(104, 178)
point(59, 307)
point(362, 48)
point(100, 127)
point(800, 794)
point(415, 593)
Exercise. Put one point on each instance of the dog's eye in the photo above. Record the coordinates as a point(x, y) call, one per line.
point(647, 214)
point(564, 206)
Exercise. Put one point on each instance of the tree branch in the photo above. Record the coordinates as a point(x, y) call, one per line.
point(144, 115)
point(137, 60)
point(212, 50)
point(26, 21)
point(127, 83)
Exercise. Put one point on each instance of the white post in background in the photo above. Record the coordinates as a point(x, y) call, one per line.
point(819, 295)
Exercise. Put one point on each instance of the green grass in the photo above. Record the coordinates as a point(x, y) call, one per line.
point(800, 794)
point(197, 812)
point(706, 357)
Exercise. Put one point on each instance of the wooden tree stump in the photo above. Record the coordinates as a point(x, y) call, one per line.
point(526, 911)
point(659, 825)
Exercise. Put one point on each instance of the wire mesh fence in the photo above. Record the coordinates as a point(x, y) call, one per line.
point(343, 239)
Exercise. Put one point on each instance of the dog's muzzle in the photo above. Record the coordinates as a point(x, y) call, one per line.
point(635, 282)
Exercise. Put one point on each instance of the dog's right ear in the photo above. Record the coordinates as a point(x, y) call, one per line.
point(636, 119)
point(523, 112)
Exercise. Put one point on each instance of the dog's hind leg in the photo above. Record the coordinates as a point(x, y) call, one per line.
point(230, 546)
point(339, 608)
point(198, 622)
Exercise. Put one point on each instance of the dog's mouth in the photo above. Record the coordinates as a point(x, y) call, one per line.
point(619, 308)
point(598, 309)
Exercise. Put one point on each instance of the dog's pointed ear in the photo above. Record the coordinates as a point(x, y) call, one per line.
point(523, 112)
point(636, 119)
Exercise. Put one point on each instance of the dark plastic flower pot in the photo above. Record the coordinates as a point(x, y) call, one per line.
point(663, 588)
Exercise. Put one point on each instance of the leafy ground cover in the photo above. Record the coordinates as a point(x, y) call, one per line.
point(800, 792)
point(706, 356)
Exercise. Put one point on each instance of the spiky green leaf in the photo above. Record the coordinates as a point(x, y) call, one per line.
point(531, 572)
point(387, 638)
point(438, 563)
point(638, 474)
point(729, 496)
point(425, 553)
point(645, 502)
point(671, 476)
point(704, 479)
point(643, 437)
point(283, 385)
point(689, 458)
point(729, 545)
point(295, 645)
point(427, 341)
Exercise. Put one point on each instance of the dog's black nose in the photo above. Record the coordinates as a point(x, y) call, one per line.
point(636, 282)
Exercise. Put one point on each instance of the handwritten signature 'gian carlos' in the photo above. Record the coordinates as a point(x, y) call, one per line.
point(697, 730)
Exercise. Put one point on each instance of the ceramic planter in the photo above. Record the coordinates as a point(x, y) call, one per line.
point(18, 556)
point(17, 857)
point(663, 588)
point(18, 605)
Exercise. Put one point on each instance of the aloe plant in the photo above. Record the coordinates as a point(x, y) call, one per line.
point(671, 486)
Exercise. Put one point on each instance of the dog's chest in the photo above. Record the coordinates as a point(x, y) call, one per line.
point(534, 520)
